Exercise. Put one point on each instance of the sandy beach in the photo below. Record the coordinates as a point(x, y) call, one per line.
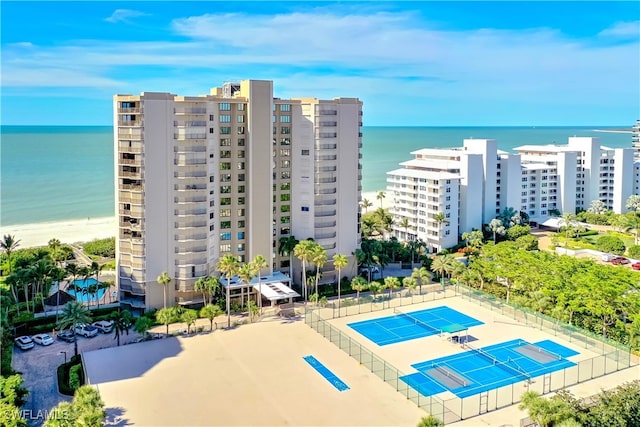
point(371, 196)
point(82, 230)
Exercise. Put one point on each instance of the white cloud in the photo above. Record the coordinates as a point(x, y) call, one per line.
point(623, 29)
point(372, 55)
point(124, 15)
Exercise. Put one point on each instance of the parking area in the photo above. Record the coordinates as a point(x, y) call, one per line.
point(38, 367)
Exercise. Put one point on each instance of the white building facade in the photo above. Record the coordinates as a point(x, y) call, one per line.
point(537, 180)
point(231, 172)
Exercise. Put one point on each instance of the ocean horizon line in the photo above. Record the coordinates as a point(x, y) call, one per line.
point(593, 127)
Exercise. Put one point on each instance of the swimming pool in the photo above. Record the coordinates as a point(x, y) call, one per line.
point(82, 296)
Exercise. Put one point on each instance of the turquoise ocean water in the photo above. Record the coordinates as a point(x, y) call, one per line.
point(57, 173)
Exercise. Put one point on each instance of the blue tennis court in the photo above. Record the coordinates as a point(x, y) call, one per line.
point(326, 373)
point(487, 368)
point(412, 325)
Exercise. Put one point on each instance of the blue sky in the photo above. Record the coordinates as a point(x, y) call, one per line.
point(412, 63)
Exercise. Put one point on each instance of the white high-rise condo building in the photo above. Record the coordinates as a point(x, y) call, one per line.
point(232, 172)
point(446, 192)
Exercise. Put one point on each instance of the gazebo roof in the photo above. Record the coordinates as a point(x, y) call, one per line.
point(59, 298)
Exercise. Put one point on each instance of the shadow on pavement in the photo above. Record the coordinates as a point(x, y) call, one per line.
point(103, 365)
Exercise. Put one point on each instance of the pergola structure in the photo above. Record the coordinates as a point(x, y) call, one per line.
point(273, 287)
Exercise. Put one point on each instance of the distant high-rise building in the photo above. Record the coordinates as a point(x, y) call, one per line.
point(232, 172)
point(443, 193)
point(635, 138)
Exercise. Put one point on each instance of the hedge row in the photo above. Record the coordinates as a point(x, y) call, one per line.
point(63, 375)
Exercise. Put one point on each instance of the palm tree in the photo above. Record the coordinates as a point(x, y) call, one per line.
point(72, 314)
point(496, 227)
point(404, 223)
point(40, 273)
point(410, 283)
point(142, 326)
point(201, 286)
point(96, 269)
point(9, 244)
point(568, 219)
point(391, 283)
point(211, 311)
point(213, 286)
point(366, 204)
point(259, 263)
point(189, 317)
point(421, 274)
point(304, 252)
point(122, 322)
point(166, 316)
point(339, 262)
point(440, 219)
point(246, 273)
point(381, 195)
point(319, 259)
point(440, 266)
point(72, 270)
point(164, 279)
point(631, 222)
point(359, 284)
point(229, 266)
point(285, 248)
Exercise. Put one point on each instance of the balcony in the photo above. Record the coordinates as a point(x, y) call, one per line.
point(189, 162)
point(135, 198)
point(325, 236)
point(132, 123)
point(190, 111)
point(190, 187)
point(328, 112)
point(327, 157)
point(325, 202)
point(323, 213)
point(184, 224)
point(187, 237)
point(131, 134)
point(189, 212)
point(325, 191)
point(325, 224)
point(130, 187)
point(189, 123)
point(181, 136)
point(132, 110)
point(325, 180)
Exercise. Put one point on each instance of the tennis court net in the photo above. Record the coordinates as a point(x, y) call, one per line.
point(417, 321)
point(509, 364)
point(449, 375)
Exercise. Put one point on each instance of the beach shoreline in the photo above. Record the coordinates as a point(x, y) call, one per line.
point(71, 231)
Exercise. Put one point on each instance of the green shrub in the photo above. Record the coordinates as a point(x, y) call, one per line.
point(63, 373)
point(610, 244)
point(105, 248)
point(74, 377)
point(634, 252)
point(517, 231)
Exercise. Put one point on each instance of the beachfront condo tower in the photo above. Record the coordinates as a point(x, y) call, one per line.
point(446, 192)
point(231, 172)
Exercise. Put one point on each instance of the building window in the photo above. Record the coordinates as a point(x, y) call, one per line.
point(211, 117)
point(225, 118)
point(225, 154)
point(225, 142)
point(240, 130)
point(285, 152)
point(225, 248)
point(240, 188)
point(240, 142)
point(225, 106)
point(240, 235)
point(285, 107)
point(225, 165)
point(225, 177)
point(285, 130)
point(285, 208)
point(241, 154)
point(241, 223)
point(285, 220)
point(240, 165)
point(305, 152)
point(225, 236)
point(225, 189)
point(225, 213)
point(210, 130)
point(240, 212)
point(241, 199)
point(225, 224)
point(285, 175)
point(225, 130)
point(225, 201)
point(286, 164)
point(240, 119)
point(285, 230)
point(285, 119)
point(240, 107)
point(241, 177)
point(304, 208)
point(240, 247)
